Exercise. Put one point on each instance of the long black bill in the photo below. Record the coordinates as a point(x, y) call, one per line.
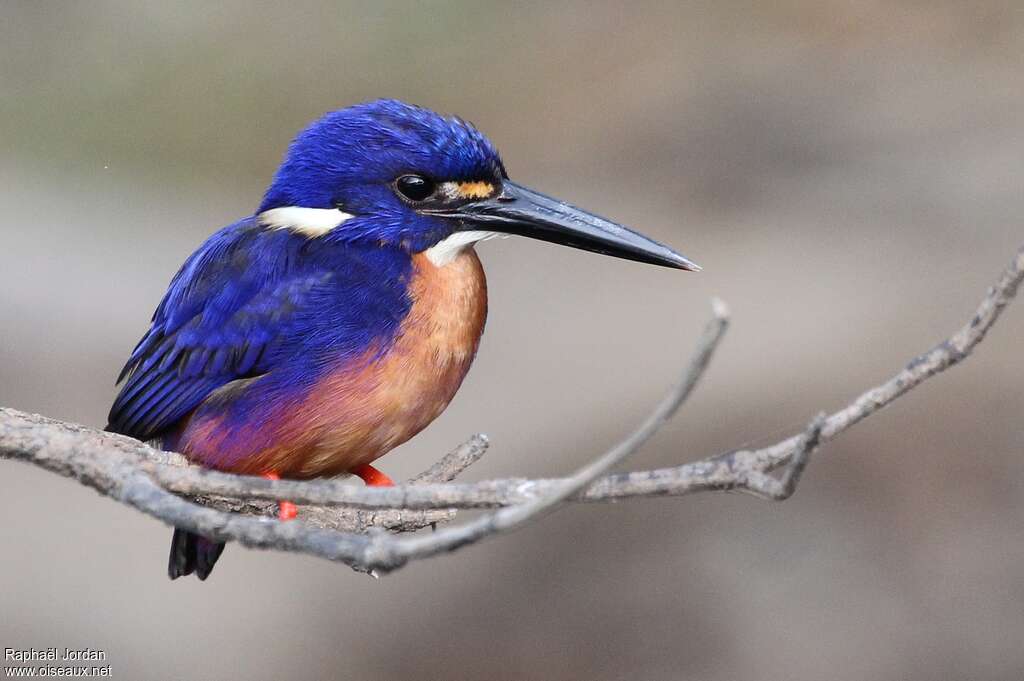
point(522, 211)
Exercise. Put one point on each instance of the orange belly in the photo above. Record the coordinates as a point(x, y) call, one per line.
point(371, 405)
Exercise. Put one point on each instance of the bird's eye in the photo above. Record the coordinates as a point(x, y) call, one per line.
point(415, 187)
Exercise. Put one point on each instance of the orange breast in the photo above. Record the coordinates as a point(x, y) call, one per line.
point(367, 407)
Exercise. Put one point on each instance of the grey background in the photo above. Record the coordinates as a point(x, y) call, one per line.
point(849, 175)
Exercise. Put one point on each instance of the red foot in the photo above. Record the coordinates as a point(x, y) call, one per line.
point(372, 477)
point(286, 510)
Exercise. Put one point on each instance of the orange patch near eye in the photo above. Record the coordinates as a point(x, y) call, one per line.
point(475, 190)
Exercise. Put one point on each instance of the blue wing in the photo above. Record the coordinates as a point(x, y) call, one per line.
point(233, 311)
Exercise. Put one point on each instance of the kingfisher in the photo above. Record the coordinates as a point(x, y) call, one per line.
point(340, 318)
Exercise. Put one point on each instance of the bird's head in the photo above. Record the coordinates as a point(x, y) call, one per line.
point(397, 175)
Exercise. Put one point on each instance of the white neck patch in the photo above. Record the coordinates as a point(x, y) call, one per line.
point(310, 222)
point(444, 252)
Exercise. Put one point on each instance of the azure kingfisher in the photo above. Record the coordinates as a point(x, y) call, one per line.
point(338, 320)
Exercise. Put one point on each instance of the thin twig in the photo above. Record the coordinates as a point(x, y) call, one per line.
point(454, 462)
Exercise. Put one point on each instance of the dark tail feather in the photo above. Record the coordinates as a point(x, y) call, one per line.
point(192, 553)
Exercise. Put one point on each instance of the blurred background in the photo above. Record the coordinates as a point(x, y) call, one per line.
point(849, 175)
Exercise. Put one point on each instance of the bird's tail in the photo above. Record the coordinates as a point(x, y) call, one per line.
point(192, 553)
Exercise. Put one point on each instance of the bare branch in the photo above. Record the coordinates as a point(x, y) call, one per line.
point(455, 462)
point(360, 520)
point(151, 481)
